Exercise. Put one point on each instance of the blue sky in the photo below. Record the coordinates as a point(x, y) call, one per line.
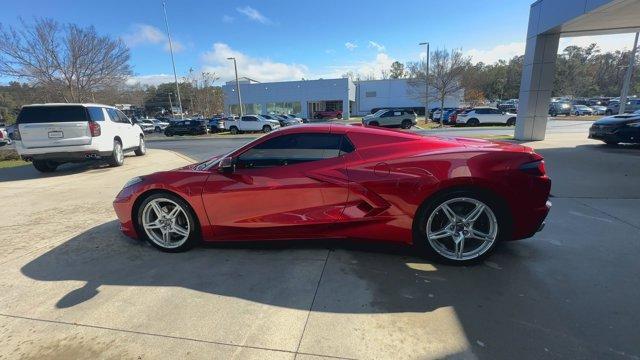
point(287, 40)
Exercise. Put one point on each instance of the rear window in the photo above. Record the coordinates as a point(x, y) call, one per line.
point(46, 114)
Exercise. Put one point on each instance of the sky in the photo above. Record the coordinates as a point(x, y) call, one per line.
point(294, 39)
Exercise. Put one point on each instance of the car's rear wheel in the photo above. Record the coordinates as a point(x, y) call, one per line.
point(459, 227)
point(473, 122)
point(168, 133)
point(117, 155)
point(339, 116)
point(142, 148)
point(167, 222)
point(511, 121)
point(554, 114)
point(45, 166)
point(406, 124)
point(266, 129)
point(233, 130)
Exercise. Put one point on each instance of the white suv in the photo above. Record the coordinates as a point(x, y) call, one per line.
point(53, 134)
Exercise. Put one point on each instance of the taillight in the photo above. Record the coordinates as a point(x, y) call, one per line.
point(1, 135)
point(535, 168)
point(16, 134)
point(94, 128)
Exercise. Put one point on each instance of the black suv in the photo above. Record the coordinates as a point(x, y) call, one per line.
point(186, 127)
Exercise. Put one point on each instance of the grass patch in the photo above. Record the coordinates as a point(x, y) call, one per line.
point(4, 164)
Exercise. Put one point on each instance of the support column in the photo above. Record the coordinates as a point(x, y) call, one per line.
point(346, 110)
point(538, 71)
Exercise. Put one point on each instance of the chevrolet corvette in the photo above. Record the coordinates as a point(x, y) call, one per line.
point(450, 198)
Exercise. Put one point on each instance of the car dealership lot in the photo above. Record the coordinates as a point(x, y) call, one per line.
point(73, 285)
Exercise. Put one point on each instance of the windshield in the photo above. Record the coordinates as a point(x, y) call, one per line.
point(379, 112)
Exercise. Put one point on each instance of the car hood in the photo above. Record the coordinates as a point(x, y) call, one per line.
point(617, 120)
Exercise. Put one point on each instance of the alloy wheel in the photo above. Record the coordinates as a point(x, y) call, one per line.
point(166, 223)
point(462, 228)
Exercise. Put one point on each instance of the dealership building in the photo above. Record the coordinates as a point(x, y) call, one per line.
point(305, 97)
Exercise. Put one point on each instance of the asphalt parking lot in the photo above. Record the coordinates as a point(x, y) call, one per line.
point(73, 287)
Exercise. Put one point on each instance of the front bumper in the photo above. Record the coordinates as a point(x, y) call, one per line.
point(620, 134)
point(123, 206)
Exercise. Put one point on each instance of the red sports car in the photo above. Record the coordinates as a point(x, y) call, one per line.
point(449, 197)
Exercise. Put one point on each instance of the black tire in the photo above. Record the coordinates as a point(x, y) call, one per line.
point(233, 130)
point(406, 124)
point(45, 166)
point(142, 148)
point(117, 155)
point(511, 121)
point(317, 116)
point(339, 116)
point(554, 114)
point(473, 122)
point(608, 112)
point(168, 133)
point(194, 225)
point(157, 129)
point(611, 143)
point(424, 247)
point(266, 129)
point(374, 123)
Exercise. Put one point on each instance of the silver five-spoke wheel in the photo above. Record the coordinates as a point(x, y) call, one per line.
point(166, 223)
point(462, 228)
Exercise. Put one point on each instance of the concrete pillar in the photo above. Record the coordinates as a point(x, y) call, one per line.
point(535, 87)
point(346, 110)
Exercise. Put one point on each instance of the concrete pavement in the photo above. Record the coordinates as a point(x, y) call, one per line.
point(73, 287)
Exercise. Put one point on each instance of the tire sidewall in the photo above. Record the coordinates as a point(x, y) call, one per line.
point(194, 234)
point(115, 160)
point(422, 245)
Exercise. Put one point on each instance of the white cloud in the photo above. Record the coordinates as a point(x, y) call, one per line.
point(143, 34)
point(350, 46)
point(498, 52)
point(605, 43)
point(227, 19)
point(364, 68)
point(154, 79)
point(378, 47)
point(254, 14)
point(261, 69)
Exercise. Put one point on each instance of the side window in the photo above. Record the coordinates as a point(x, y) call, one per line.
point(397, 113)
point(123, 118)
point(481, 111)
point(387, 114)
point(95, 113)
point(113, 115)
point(293, 149)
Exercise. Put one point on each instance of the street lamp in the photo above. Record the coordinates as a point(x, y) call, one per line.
point(426, 84)
point(627, 76)
point(175, 76)
point(235, 66)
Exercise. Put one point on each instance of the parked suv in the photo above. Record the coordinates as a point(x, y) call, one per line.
point(53, 134)
point(559, 108)
point(391, 118)
point(251, 123)
point(486, 115)
point(614, 107)
point(186, 127)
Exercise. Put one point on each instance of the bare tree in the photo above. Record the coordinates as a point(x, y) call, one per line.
point(445, 75)
point(73, 62)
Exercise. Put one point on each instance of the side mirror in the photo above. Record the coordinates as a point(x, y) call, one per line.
point(226, 164)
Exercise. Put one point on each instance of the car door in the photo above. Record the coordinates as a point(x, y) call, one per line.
point(497, 117)
point(130, 131)
point(119, 127)
point(248, 123)
point(386, 118)
point(289, 185)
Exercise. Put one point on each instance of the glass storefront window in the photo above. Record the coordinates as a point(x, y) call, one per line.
point(284, 108)
point(249, 109)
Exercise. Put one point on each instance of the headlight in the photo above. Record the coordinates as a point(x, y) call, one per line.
point(132, 182)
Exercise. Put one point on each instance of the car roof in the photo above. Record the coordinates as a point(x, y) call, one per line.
point(70, 104)
point(344, 129)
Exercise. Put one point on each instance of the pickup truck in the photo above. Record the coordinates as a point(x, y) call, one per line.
point(328, 114)
point(250, 123)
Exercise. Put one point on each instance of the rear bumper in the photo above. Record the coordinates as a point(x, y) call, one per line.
point(68, 156)
point(535, 223)
point(620, 134)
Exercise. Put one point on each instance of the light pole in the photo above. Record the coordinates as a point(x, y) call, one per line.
point(627, 76)
point(170, 104)
point(175, 76)
point(426, 84)
point(235, 66)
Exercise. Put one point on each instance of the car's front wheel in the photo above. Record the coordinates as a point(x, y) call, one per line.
point(45, 166)
point(406, 124)
point(511, 121)
point(473, 122)
point(167, 222)
point(233, 130)
point(460, 227)
point(266, 129)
